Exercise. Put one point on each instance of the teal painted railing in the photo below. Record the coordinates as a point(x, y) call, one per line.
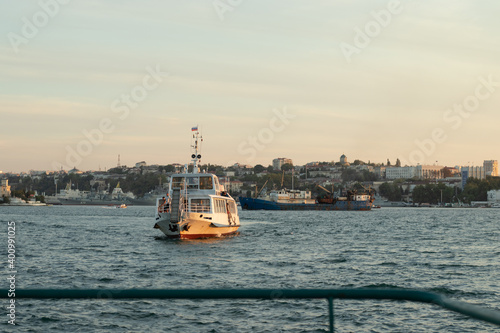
point(474, 311)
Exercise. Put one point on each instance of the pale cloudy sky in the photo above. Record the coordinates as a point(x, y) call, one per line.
point(262, 79)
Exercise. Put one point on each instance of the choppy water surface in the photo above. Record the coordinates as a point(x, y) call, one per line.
point(455, 252)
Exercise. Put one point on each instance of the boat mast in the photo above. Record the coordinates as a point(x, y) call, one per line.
point(195, 157)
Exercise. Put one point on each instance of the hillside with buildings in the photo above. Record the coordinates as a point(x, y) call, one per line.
point(432, 184)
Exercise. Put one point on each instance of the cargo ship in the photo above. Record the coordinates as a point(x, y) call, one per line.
point(301, 200)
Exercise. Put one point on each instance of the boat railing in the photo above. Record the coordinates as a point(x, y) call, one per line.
point(473, 311)
point(183, 205)
point(164, 208)
point(199, 208)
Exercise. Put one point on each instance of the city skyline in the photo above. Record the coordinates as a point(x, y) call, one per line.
point(375, 80)
point(270, 164)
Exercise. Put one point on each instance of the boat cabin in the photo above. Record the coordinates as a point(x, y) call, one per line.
point(285, 194)
point(206, 183)
point(202, 193)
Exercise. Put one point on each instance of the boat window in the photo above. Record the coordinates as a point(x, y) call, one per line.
point(222, 206)
point(192, 183)
point(200, 205)
point(206, 183)
point(178, 182)
point(219, 206)
point(232, 207)
point(204, 202)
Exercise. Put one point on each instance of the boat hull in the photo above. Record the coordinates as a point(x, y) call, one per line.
point(259, 204)
point(194, 228)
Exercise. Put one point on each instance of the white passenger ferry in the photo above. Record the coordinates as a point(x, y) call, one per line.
point(196, 205)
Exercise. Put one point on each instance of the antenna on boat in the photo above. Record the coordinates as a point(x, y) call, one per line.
point(196, 156)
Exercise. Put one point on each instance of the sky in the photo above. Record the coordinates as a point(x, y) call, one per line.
point(82, 82)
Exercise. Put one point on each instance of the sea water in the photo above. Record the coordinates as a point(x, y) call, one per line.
point(455, 252)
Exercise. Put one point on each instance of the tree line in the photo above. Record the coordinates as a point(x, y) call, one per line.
point(474, 190)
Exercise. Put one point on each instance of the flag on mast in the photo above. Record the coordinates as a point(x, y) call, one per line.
point(194, 128)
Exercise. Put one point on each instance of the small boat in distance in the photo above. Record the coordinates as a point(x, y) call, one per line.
point(196, 205)
point(122, 206)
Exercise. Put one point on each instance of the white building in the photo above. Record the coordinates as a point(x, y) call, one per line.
point(400, 172)
point(243, 169)
point(494, 196)
point(362, 167)
point(279, 162)
point(473, 172)
point(419, 171)
point(231, 185)
point(491, 168)
point(380, 171)
point(429, 171)
point(234, 186)
point(5, 188)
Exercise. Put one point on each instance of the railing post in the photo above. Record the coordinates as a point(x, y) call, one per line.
point(330, 314)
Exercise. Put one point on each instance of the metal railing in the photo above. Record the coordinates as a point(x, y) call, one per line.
point(199, 208)
point(164, 208)
point(473, 311)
